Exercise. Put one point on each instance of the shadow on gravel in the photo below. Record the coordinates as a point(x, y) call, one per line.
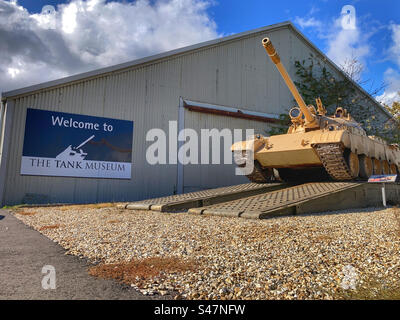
point(345, 211)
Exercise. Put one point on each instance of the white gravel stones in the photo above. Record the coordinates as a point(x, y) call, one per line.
point(296, 257)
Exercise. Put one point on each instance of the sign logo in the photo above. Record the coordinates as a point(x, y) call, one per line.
point(73, 145)
point(348, 14)
point(383, 178)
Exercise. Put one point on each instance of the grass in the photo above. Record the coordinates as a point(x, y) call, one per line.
point(114, 221)
point(372, 289)
point(26, 213)
point(322, 237)
point(396, 212)
point(129, 272)
point(12, 207)
point(87, 206)
point(54, 226)
point(65, 207)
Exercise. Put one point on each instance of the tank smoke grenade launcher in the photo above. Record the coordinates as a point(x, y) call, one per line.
point(316, 146)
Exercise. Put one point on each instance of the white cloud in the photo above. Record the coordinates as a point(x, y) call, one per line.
point(395, 48)
point(346, 44)
point(82, 35)
point(392, 76)
point(307, 22)
point(342, 44)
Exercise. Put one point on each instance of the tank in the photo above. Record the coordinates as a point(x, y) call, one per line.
point(316, 146)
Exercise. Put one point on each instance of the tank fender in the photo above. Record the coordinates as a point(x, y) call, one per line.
point(363, 145)
point(392, 154)
point(356, 143)
point(371, 148)
point(380, 152)
point(395, 154)
point(339, 136)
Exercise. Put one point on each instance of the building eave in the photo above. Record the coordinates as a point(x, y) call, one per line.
point(155, 58)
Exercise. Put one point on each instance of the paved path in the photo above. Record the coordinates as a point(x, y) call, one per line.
point(24, 252)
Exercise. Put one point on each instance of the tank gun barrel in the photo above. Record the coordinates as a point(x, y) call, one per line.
point(277, 61)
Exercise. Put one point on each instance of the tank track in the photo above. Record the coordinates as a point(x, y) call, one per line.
point(332, 158)
point(258, 175)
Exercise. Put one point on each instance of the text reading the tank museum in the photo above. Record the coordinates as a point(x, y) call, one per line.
point(76, 145)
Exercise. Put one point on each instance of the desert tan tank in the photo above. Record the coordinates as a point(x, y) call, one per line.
point(316, 146)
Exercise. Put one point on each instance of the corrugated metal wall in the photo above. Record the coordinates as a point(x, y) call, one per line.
point(232, 74)
point(202, 176)
point(236, 73)
point(141, 95)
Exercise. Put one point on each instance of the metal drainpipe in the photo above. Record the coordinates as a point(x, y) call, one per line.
point(2, 109)
point(180, 169)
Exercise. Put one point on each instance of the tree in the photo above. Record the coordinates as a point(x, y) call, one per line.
point(353, 68)
point(314, 79)
point(394, 109)
point(394, 126)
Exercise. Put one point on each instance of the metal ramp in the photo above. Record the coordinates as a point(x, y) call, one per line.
point(203, 198)
point(305, 198)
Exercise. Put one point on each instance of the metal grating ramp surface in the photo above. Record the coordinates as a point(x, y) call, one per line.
point(204, 197)
point(275, 202)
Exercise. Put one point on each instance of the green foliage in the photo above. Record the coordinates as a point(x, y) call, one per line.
point(315, 80)
point(282, 127)
point(394, 109)
point(393, 128)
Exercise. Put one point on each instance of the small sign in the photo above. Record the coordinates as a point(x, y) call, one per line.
point(75, 145)
point(383, 178)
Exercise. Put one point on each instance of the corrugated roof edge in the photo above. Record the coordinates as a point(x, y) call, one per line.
point(153, 58)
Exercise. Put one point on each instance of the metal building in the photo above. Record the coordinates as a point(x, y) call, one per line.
point(224, 83)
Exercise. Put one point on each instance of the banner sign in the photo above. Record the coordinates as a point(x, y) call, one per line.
point(383, 178)
point(74, 145)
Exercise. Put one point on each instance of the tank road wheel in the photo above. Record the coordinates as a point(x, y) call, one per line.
point(377, 167)
point(353, 163)
point(385, 167)
point(366, 167)
point(393, 169)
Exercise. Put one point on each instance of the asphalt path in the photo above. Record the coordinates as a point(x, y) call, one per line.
point(23, 254)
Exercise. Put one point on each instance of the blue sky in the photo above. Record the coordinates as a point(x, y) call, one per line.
point(374, 41)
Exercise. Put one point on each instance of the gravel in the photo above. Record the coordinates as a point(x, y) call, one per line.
point(316, 256)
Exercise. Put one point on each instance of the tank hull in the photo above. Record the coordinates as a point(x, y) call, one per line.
point(298, 150)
